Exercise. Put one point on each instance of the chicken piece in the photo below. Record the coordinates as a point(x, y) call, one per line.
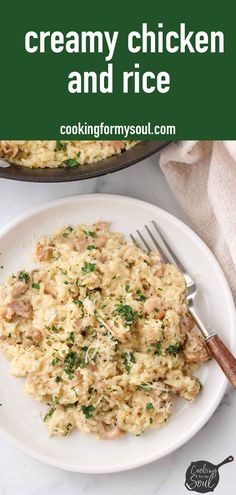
point(19, 288)
point(195, 350)
point(112, 434)
point(80, 243)
point(161, 314)
point(99, 242)
point(186, 324)
point(9, 149)
point(100, 226)
point(152, 303)
point(43, 250)
point(116, 145)
point(120, 332)
point(35, 335)
point(79, 376)
point(17, 307)
point(51, 289)
point(159, 272)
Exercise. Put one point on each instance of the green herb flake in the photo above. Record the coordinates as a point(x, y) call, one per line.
point(145, 386)
point(87, 410)
point(174, 349)
point(23, 277)
point(128, 359)
point(71, 337)
point(49, 414)
point(68, 429)
point(35, 286)
point(126, 312)
point(77, 302)
point(158, 348)
point(90, 233)
point(71, 163)
point(54, 361)
point(60, 146)
point(140, 296)
point(149, 406)
point(71, 362)
point(58, 379)
point(90, 247)
point(88, 267)
point(67, 232)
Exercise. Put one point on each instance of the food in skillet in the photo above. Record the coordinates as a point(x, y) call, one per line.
point(101, 331)
point(53, 154)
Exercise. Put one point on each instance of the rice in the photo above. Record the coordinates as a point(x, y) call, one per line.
point(101, 332)
point(53, 154)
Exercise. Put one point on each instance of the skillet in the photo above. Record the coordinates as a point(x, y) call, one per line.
point(117, 162)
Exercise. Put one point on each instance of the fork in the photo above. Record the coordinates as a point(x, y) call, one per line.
point(217, 348)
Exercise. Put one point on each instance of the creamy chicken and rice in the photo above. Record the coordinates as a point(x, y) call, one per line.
point(101, 332)
point(53, 154)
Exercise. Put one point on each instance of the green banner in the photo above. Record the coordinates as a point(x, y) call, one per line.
point(156, 70)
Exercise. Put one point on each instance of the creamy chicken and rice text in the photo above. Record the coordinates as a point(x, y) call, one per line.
point(101, 332)
point(53, 154)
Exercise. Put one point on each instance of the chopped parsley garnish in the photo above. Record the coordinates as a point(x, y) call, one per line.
point(58, 379)
point(128, 359)
point(90, 247)
point(158, 348)
point(145, 386)
point(78, 154)
point(71, 162)
point(78, 302)
point(71, 362)
point(60, 146)
point(35, 286)
point(88, 267)
point(54, 361)
point(87, 410)
point(149, 405)
point(90, 233)
point(127, 287)
point(140, 296)
point(49, 414)
point(68, 428)
point(126, 312)
point(23, 277)
point(71, 337)
point(68, 231)
point(174, 349)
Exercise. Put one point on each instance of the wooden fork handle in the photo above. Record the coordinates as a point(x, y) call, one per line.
point(224, 358)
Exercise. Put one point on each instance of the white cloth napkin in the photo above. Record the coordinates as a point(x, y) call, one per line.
point(202, 175)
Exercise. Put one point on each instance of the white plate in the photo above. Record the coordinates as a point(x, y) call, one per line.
point(19, 418)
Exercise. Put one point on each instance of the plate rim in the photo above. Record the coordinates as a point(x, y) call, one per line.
point(202, 421)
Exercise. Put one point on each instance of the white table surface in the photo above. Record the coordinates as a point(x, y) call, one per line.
point(21, 475)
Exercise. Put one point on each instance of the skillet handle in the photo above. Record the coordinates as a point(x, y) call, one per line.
point(223, 356)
